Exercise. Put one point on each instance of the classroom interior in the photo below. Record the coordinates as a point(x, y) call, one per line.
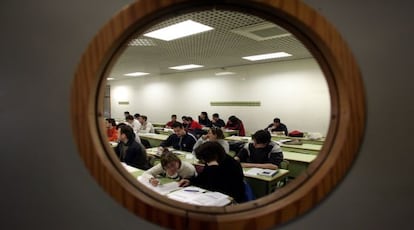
point(292, 88)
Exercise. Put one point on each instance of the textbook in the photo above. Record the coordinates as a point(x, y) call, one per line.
point(261, 172)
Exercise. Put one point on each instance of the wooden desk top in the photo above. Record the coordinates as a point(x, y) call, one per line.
point(300, 157)
point(304, 146)
point(160, 137)
point(280, 173)
point(238, 138)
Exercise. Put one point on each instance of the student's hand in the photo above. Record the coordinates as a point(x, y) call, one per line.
point(183, 183)
point(154, 181)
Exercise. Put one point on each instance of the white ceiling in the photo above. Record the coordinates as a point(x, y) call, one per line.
point(219, 48)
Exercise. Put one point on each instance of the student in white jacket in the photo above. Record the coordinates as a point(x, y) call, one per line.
point(172, 167)
point(213, 134)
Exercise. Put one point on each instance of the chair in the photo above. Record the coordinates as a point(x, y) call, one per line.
point(146, 143)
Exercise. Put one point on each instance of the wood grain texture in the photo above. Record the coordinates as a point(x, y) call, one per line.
point(340, 148)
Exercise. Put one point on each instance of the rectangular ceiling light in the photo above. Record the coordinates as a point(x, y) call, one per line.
point(178, 30)
point(267, 56)
point(184, 67)
point(224, 73)
point(135, 74)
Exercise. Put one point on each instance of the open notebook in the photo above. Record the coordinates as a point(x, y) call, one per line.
point(191, 194)
point(198, 196)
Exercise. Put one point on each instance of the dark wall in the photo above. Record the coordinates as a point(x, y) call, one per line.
point(44, 184)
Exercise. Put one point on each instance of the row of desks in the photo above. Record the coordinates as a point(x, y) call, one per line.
point(261, 185)
point(299, 156)
point(156, 139)
point(166, 131)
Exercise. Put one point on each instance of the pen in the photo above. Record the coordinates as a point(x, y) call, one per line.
point(191, 190)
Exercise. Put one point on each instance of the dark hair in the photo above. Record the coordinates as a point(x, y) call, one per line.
point(262, 137)
point(204, 113)
point(144, 117)
point(189, 118)
point(184, 117)
point(167, 157)
point(234, 119)
point(111, 121)
point(128, 131)
point(218, 132)
point(137, 115)
point(129, 117)
point(118, 126)
point(215, 115)
point(177, 125)
point(210, 151)
point(126, 112)
point(173, 116)
point(277, 120)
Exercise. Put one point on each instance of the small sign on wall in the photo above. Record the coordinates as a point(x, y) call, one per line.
point(235, 103)
point(123, 102)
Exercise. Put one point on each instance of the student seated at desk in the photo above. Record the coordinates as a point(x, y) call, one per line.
point(180, 139)
point(111, 131)
point(172, 167)
point(194, 127)
point(130, 151)
point(170, 123)
point(235, 123)
point(204, 120)
point(221, 172)
point(213, 134)
point(118, 128)
point(262, 153)
point(216, 121)
point(146, 126)
point(134, 123)
point(276, 126)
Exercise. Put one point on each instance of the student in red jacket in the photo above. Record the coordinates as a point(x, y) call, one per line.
point(235, 123)
point(111, 130)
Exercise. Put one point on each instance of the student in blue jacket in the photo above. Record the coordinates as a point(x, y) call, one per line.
point(180, 139)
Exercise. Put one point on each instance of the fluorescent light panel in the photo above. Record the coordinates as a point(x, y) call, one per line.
point(267, 56)
point(178, 30)
point(184, 67)
point(224, 73)
point(110, 78)
point(135, 74)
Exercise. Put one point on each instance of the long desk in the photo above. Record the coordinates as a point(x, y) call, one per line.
point(170, 189)
point(261, 185)
point(303, 148)
point(158, 124)
point(153, 138)
point(298, 162)
point(305, 140)
point(299, 156)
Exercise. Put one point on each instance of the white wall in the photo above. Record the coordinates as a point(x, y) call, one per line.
point(288, 90)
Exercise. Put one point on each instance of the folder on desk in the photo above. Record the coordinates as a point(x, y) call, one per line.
point(261, 172)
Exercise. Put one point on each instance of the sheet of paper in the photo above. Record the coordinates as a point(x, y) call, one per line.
point(129, 168)
point(198, 196)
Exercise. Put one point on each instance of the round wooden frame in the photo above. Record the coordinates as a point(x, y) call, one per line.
point(343, 140)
